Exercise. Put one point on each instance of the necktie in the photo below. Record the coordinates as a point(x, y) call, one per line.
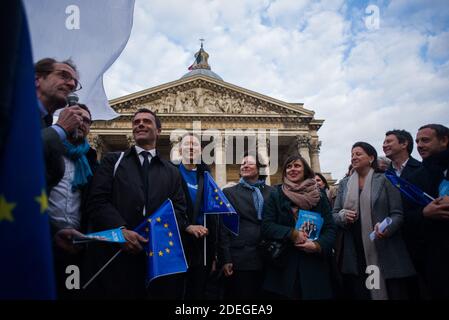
point(145, 169)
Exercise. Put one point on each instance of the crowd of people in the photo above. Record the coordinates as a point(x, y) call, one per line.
point(87, 195)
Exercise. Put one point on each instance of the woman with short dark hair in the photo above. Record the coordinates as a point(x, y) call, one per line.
point(303, 272)
point(241, 262)
point(364, 200)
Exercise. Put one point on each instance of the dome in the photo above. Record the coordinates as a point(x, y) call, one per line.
point(201, 66)
point(204, 72)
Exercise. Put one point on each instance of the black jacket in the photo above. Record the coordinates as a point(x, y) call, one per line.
point(412, 228)
point(308, 270)
point(241, 250)
point(53, 151)
point(116, 201)
point(435, 232)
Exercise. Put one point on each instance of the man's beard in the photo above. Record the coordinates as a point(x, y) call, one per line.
point(78, 140)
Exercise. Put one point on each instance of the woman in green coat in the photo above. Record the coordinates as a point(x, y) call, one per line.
point(304, 271)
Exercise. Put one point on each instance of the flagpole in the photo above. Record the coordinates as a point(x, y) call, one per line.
point(102, 268)
point(204, 241)
point(428, 196)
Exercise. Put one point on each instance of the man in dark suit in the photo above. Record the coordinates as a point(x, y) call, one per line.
point(433, 146)
point(238, 255)
point(126, 188)
point(398, 147)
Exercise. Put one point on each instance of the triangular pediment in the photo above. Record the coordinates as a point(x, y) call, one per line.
point(203, 95)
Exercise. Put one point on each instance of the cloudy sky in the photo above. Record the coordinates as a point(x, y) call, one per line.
point(364, 67)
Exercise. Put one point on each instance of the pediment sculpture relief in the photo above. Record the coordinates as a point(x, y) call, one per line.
point(200, 100)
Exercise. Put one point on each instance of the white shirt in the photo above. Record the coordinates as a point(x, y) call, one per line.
point(63, 203)
point(399, 170)
point(152, 154)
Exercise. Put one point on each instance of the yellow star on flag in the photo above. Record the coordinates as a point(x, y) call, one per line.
point(216, 190)
point(149, 220)
point(147, 229)
point(216, 198)
point(170, 234)
point(42, 200)
point(151, 253)
point(158, 219)
point(170, 243)
point(167, 250)
point(161, 253)
point(165, 225)
point(221, 203)
point(6, 209)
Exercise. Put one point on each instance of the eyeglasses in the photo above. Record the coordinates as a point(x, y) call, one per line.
point(66, 76)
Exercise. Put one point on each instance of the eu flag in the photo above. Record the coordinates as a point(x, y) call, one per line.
point(215, 202)
point(165, 254)
point(26, 267)
point(408, 189)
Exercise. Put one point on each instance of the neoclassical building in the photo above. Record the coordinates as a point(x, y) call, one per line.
point(229, 119)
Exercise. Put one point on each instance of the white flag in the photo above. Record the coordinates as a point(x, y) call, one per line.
point(91, 33)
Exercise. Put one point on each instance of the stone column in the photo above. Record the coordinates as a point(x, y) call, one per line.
point(303, 143)
point(175, 155)
point(220, 160)
point(130, 140)
point(263, 145)
point(97, 143)
point(315, 155)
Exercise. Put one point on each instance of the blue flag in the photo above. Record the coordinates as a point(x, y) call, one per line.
point(26, 262)
point(165, 254)
point(215, 202)
point(408, 189)
point(111, 235)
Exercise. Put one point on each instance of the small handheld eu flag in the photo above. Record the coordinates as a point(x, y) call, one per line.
point(215, 202)
point(164, 250)
point(408, 189)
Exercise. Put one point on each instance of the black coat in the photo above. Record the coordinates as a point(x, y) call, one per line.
point(435, 232)
point(193, 247)
point(53, 151)
point(310, 271)
point(116, 201)
point(412, 228)
point(241, 250)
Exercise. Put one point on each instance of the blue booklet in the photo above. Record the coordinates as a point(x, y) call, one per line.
point(310, 222)
point(112, 235)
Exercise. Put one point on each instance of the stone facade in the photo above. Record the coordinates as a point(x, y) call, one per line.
point(215, 108)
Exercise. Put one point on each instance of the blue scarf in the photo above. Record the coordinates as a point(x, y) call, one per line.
point(82, 169)
point(257, 194)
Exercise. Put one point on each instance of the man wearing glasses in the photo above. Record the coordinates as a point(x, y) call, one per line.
point(69, 160)
point(67, 201)
point(54, 82)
